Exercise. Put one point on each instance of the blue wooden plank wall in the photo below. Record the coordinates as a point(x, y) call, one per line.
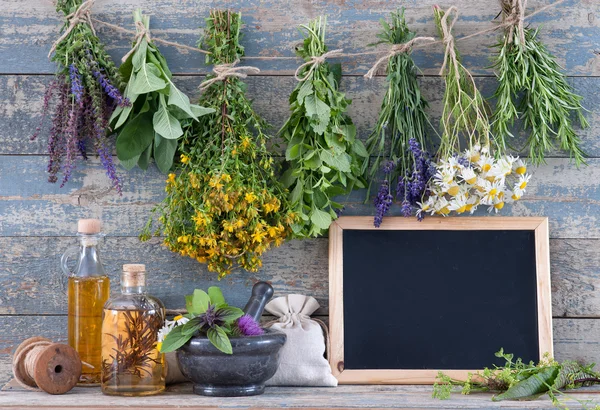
point(37, 220)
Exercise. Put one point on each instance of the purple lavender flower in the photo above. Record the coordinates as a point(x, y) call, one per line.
point(406, 208)
point(382, 201)
point(71, 140)
point(249, 327)
point(338, 212)
point(76, 86)
point(388, 167)
point(47, 97)
point(112, 91)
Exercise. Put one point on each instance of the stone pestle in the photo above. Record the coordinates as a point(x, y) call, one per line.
point(262, 292)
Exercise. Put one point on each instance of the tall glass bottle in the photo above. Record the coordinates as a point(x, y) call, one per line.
point(88, 290)
point(131, 362)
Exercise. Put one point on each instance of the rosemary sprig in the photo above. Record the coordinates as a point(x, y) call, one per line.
point(532, 86)
point(465, 112)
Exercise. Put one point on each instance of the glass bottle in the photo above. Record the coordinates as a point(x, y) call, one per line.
point(88, 290)
point(131, 362)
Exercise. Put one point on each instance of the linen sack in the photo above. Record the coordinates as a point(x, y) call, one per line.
point(302, 361)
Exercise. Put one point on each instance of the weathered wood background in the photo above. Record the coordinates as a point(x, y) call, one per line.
point(38, 220)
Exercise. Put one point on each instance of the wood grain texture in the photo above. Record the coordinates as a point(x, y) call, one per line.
point(571, 31)
point(29, 206)
point(21, 105)
point(347, 397)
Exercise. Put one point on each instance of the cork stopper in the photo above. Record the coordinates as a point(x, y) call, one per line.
point(134, 275)
point(89, 226)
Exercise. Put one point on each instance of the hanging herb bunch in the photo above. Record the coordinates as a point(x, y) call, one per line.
point(87, 85)
point(398, 143)
point(531, 86)
point(225, 206)
point(324, 156)
point(517, 380)
point(481, 173)
point(152, 125)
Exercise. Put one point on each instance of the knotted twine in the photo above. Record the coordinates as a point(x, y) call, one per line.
point(81, 15)
point(395, 50)
point(224, 71)
point(141, 33)
point(514, 16)
point(448, 41)
point(314, 62)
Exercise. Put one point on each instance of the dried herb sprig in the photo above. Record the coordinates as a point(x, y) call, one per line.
point(225, 207)
point(517, 380)
point(398, 144)
point(152, 126)
point(532, 86)
point(465, 111)
point(136, 353)
point(87, 84)
point(324, 156)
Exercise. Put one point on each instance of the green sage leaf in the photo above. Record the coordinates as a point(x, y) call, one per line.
point(148, 79)
point(165, 123)
point(135, 137)
point(164, 151)
point(139, 57)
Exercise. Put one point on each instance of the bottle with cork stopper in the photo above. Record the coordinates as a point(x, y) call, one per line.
point(88, 291)
point(132, 365)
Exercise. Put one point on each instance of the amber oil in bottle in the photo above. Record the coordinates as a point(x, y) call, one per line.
point(88, 291)
point(131, 362)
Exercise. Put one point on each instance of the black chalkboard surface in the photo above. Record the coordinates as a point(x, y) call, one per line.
point(438, 295)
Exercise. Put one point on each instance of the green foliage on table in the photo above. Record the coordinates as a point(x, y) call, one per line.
point(208, 314)
point(324, 156)
point(532, 87)
point(517, 380)
point(152, 125)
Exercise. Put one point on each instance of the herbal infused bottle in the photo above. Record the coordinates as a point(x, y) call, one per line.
point(88, 290)
point(131, 362)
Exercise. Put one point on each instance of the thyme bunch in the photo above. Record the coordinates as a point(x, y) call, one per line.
point(323, 154)
point(465, 111)
point(87, 84)
point(398, 143)
point(225, 207)
point(532, 86)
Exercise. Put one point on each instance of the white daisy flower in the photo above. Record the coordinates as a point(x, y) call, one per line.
point(523, 181)
point(458, 204)
point(519, 166)
point(468, 175)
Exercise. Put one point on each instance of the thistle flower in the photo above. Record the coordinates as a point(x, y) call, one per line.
point(248, 326)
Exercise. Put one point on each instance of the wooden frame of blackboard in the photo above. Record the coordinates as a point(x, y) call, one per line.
point(427, 376)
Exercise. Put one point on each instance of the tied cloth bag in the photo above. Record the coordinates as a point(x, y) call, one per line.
point(302, 357)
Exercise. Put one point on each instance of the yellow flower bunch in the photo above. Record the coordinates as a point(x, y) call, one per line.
point(224, 206)
point(462, 183)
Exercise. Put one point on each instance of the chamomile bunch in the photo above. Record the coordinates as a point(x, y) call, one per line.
point(475, 178)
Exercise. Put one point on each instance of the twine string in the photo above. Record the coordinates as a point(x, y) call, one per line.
point(224, 71)
point(32, 358)
point(81, 15)
point(314, 62)
point(395, 50)
point(142, 33)
point(448, 40)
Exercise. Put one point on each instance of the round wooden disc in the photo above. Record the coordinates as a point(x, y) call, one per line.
point(19, 360)
point(57, 369)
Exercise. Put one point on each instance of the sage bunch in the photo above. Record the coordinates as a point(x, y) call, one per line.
point(87, 86)
point(151, 126)
point(398, 144)
point(532, 87)
point(323, 154)
point(465, 112)
point(224, 206)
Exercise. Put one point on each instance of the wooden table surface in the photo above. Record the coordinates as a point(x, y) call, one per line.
point(180, 396)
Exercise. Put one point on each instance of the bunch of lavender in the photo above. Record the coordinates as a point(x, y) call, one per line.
point(395, 144)
point(410, 188)
point(87, 86)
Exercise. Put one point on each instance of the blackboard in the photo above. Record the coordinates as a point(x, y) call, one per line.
point(410, 299)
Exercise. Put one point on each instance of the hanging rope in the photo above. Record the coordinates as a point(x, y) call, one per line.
point(448, 40)
point(142, 33)
point(395, 50)
point(224, 71)
point(81, 15)
point(314, 62)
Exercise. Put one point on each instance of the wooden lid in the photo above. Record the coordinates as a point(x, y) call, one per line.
point(89, 226)
point(57, 369)
point(134, 275)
